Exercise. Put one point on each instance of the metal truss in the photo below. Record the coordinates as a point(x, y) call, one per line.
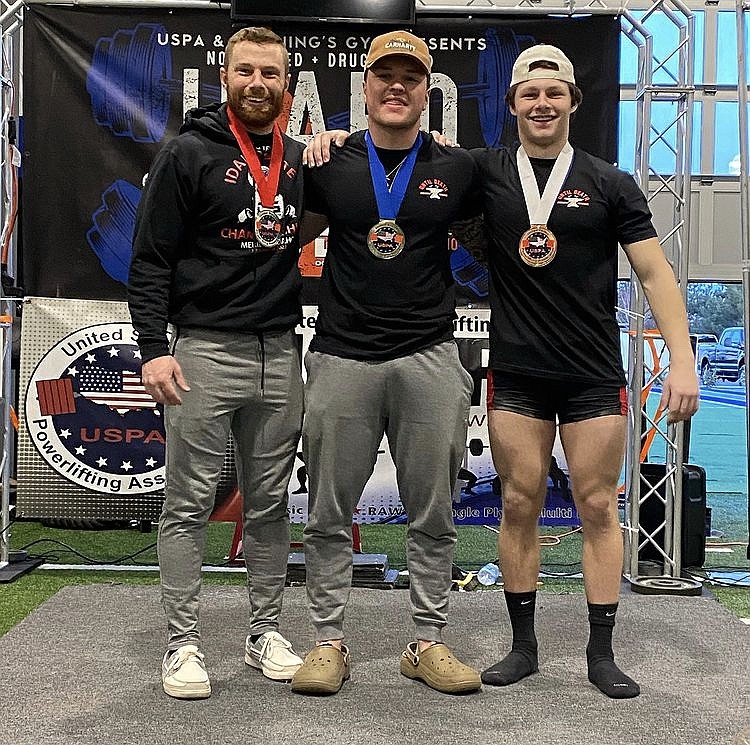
point(741, 10)
point(11, 24)
point(643, 371)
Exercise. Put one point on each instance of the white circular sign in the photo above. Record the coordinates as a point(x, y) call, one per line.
point(90, 417)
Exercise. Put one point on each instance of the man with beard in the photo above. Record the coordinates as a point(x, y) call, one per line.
point(215, 254)
point(383, 360)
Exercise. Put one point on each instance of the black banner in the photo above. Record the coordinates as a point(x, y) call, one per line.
point(105, 88)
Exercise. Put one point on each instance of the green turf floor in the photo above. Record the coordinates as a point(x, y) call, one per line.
point(476, 546)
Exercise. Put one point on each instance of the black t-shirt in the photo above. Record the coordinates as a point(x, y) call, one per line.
point(558, 321)
point(380, 309)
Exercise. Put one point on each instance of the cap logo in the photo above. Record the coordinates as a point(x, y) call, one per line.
point(399, 44)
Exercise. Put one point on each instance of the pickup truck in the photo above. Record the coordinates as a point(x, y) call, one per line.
point(724, 360)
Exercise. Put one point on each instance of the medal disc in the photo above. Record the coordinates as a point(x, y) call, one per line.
point(268, 228)
point(537, 246)
point(386, 240)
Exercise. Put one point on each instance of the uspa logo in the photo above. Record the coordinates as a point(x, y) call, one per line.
point(90, 417)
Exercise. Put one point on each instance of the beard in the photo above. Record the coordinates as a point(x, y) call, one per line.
point(253, 115)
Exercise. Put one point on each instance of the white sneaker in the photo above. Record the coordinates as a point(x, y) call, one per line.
point(273, 655)
point(183, 673)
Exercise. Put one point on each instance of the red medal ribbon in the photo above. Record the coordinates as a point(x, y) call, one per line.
point(267, 185)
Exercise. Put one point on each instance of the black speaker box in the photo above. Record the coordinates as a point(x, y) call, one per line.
point(693, 514)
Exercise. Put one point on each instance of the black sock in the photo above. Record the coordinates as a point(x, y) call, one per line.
point(522, 658)
point(603, 672)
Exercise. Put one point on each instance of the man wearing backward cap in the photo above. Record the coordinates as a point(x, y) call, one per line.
point(554, 217)
point(384, 361)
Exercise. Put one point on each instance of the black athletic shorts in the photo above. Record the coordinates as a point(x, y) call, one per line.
point(541, 398)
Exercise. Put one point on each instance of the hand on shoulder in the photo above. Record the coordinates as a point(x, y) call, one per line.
point(318, 150)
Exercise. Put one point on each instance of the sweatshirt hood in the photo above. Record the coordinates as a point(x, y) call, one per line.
point(210, 120)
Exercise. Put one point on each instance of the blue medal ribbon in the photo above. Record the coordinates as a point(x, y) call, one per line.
point(389, 200)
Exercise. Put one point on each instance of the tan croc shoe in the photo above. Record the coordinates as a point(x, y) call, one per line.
point(324, 671)
point(439, 669)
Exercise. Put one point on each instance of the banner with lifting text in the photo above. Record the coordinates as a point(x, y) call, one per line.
point(105, 89)
point(91, 440)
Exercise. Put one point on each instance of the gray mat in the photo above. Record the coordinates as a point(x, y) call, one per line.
point(84, 669)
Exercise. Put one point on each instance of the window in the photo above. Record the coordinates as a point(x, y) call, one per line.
point(727, 139)
point(726, 48)
point(662, 156)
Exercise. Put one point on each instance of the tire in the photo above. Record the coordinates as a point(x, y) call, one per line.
point(708, 376)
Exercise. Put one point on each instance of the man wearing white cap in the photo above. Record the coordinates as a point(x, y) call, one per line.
point(554, 216)
point(384, 361)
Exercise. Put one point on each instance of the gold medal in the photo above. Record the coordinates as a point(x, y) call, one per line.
point(267, 228)
point(386, 240)
point(537, 246)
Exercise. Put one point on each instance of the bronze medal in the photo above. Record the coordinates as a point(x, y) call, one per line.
point(267, 228)
point(386, 240)
point(537, 246)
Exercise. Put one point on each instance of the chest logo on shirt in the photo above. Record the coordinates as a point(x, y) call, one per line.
point(259, 228)
point(433, 188)
point(574, 198)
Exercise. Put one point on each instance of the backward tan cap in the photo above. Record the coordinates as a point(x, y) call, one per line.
point(398, 42)
point(542, 53)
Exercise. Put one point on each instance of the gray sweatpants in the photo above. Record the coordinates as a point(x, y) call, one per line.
point(421, 402)
point(253, 389)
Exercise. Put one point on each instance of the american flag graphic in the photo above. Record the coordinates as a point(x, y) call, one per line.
point(120, 391)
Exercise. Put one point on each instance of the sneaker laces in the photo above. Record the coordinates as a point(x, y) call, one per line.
point(271, 639)
point(182, 655)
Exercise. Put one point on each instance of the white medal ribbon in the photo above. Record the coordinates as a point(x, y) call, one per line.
point(540, 208)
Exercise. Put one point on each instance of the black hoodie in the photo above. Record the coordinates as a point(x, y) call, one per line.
point(196, 261)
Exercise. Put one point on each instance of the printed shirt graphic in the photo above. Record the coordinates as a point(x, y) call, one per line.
point(260, 229)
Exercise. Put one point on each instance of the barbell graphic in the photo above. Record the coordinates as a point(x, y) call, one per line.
point(131, 87)
point(476, 446)
point(113, 223)
point(130, 83)
point(111, 234)
point(494, 67)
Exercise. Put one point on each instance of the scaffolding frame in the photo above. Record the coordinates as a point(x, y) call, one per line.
point(640, 375)
point(11, 25)
point(741, 10)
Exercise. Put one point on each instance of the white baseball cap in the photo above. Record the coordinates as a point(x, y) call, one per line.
point(542, 53)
